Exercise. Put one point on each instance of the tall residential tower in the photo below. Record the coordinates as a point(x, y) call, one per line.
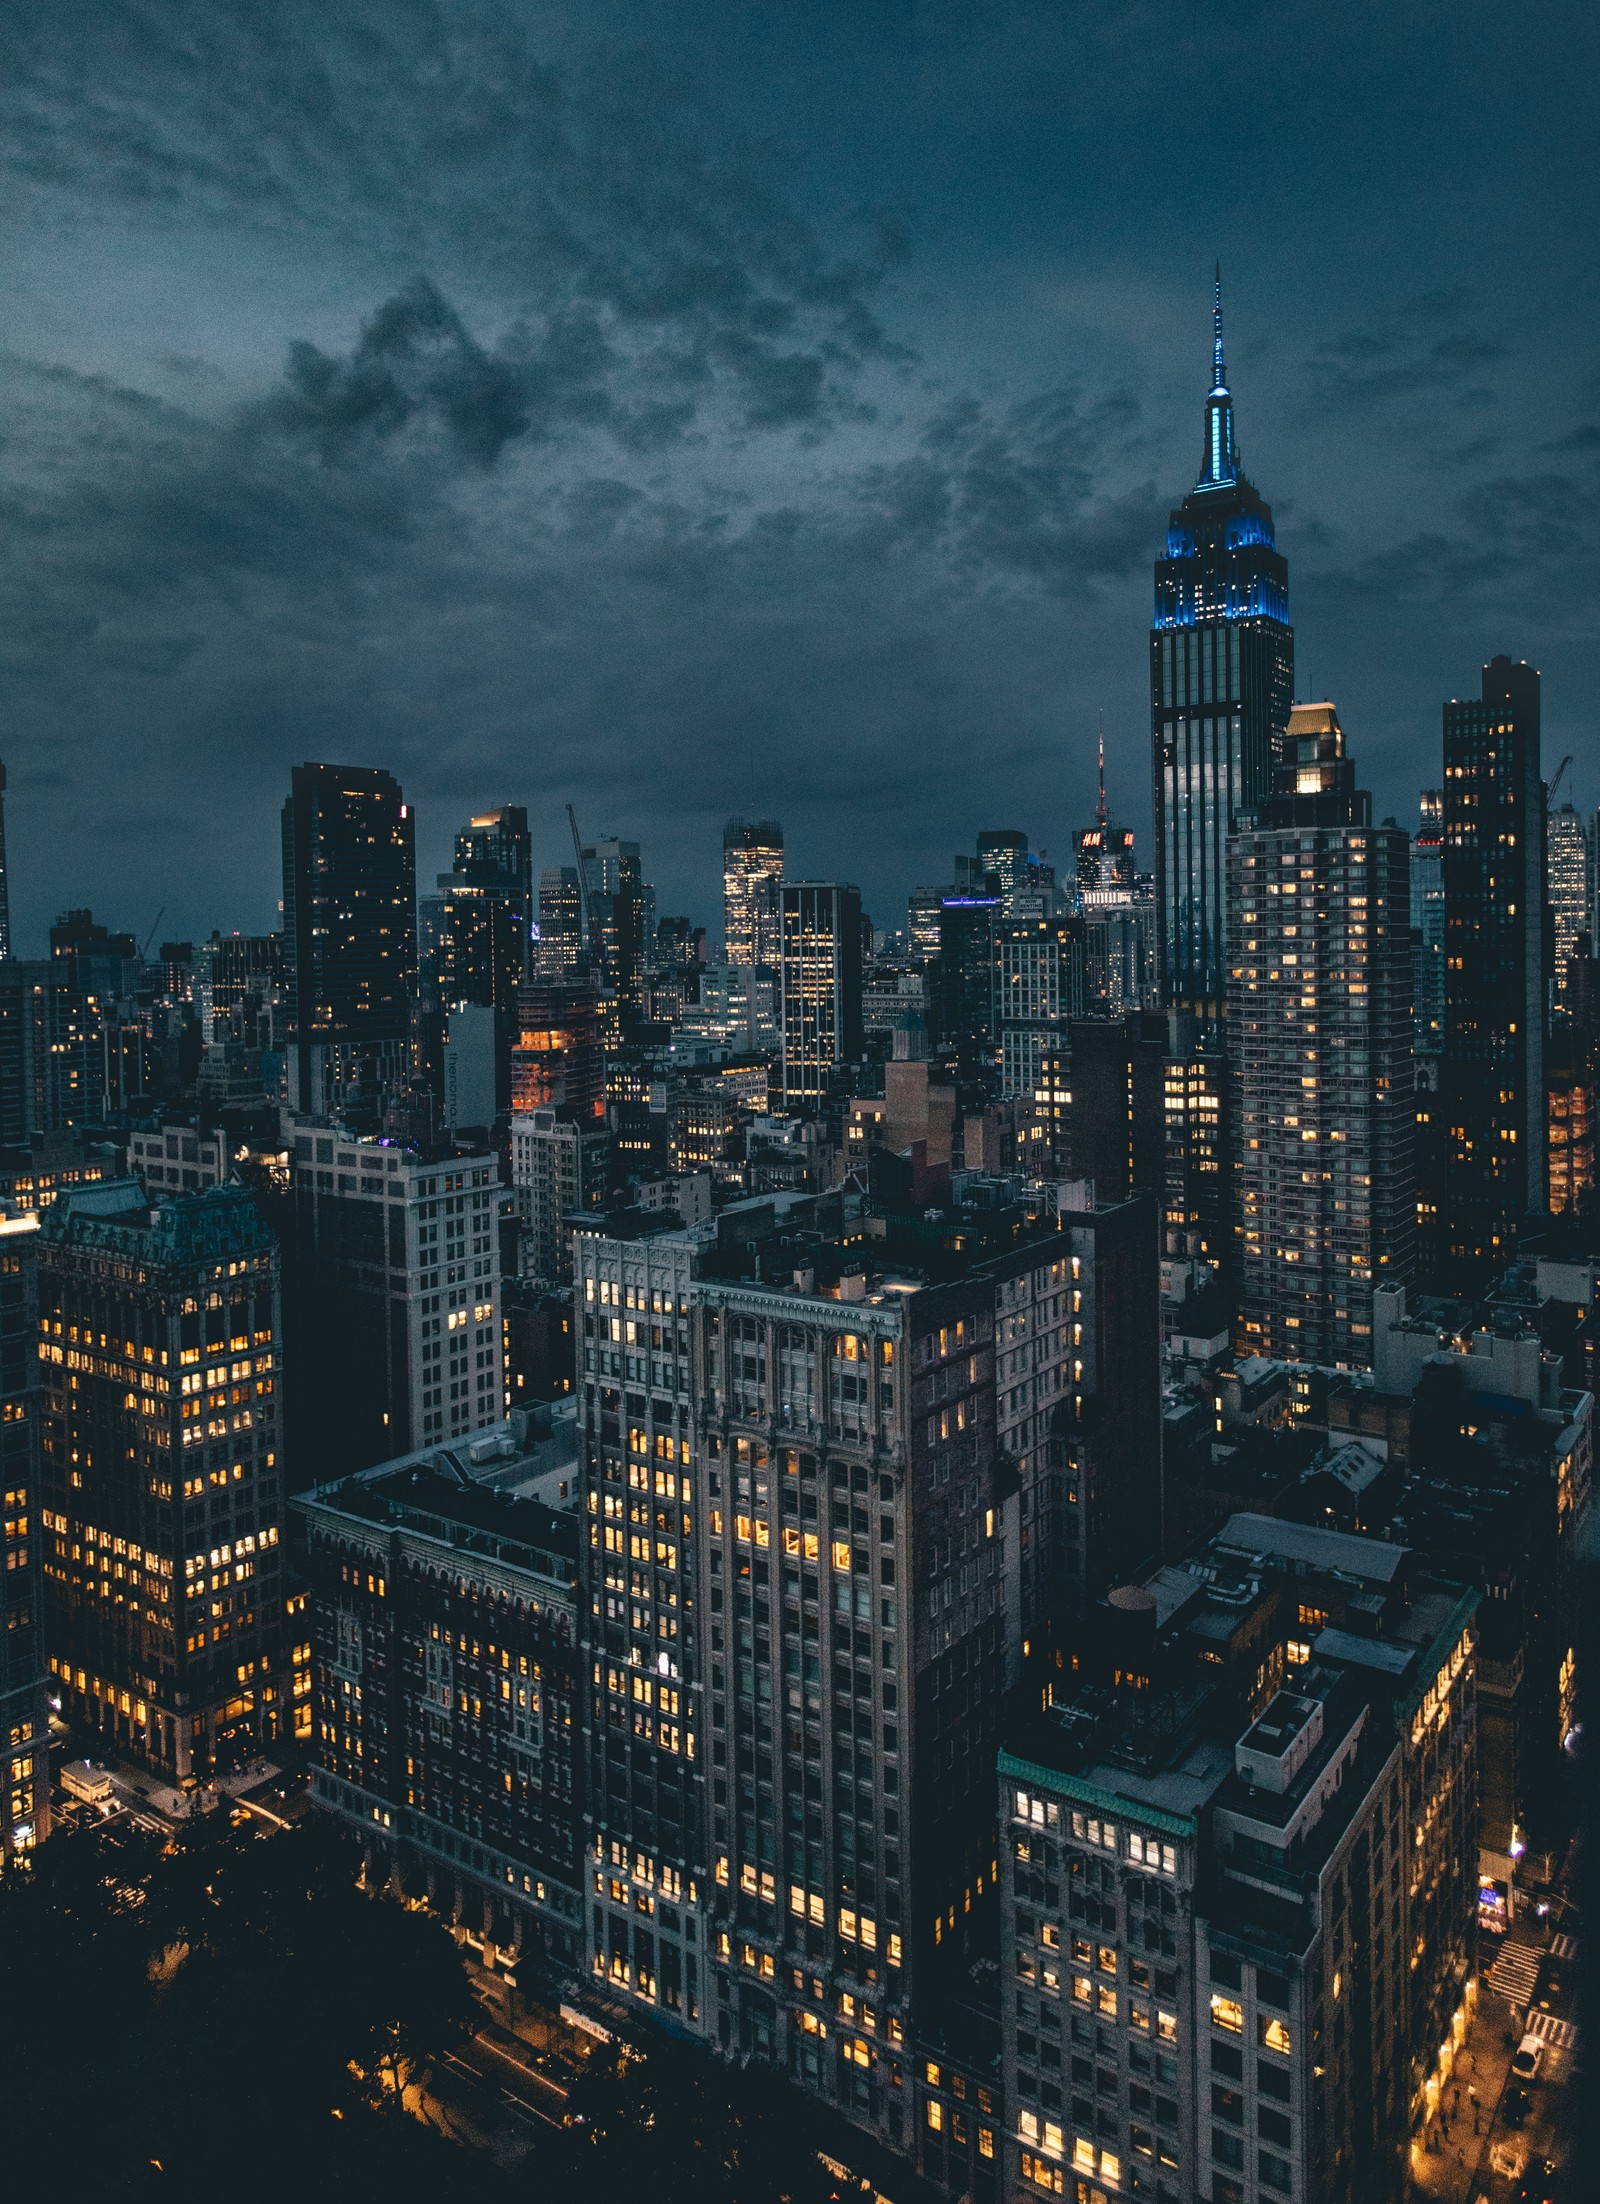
point(1320, 1046)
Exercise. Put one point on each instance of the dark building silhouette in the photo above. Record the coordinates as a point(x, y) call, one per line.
point(614, 879)
point(349, 936)
point(1496, 942)
point(969, 974)
point(482, 917)
point(471, 1793)
point(1221, 681)
point(1118, 1114)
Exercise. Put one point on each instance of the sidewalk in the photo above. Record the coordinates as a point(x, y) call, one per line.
point(1459, 2171)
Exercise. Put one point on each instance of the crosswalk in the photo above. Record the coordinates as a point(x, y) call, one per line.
point(1559, 2034)
point(1563, 1946)
point(1516, 1971)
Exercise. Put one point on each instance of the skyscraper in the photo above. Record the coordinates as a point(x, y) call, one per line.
point(752, 872)
point(1567, 877)
point(1495, 981)
point(1221, 681)
point(1321, 1058)
point(484, 922)
point(1039, 986)
point(1427, 922)
point(821, 972)
point(5, 877)
point(968, 986)
point(349, 936)
point(162, 1480)
point(24, 1706)
point(614, 879)
point(1103, 853)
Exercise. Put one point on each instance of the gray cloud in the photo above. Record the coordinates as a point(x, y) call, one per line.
point(1404, 355)
point(560, 436)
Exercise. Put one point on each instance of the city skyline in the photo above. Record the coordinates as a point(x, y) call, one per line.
point(798, 1381)
point(915, 520)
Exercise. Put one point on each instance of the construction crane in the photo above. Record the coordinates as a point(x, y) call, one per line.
point(589, 940)
point(1550, 792)
point(144, 953)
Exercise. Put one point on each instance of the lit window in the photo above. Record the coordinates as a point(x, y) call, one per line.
point(1226, 2012)
point(1274, 2035)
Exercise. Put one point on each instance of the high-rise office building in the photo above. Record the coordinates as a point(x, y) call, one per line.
point(1427, 922)
point(349, 937)
point(1197, 1213)
point(1221, 681)
point(161, 1494)
point(561, 940)
point(641, 1621)
point(1493, 1092)
point(24, 1701)
point(392, 1264)
point(1238, 1879)
point(1322, 1062)
point(1570, 891)
point(614, 880)
point(5, 877)
point(828, 1507)
point(1039, 987)
point(238, 980)
point(752, 875)
point(820, 968)
point(1003, 853)
point(967, 983)
point(483, 914)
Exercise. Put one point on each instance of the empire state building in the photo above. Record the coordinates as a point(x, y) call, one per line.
point(1221, 683)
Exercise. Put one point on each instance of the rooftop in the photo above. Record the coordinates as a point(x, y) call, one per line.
point(464, 1497)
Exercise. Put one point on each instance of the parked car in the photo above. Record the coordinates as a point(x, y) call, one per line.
point(1515, 2106)
point(1529, 2058)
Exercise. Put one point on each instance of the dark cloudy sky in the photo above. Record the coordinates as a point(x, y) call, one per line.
point(684, 408)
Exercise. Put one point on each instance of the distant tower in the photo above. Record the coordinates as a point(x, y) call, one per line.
point(1221, 683)
point(349, 935)
point(1570, 891)
point(1427, 922)
point(1495, 975)
point(5, 882)
point(752, 873)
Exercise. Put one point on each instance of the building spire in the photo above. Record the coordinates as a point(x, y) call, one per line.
point(1220, 464)
point(1101, 813)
